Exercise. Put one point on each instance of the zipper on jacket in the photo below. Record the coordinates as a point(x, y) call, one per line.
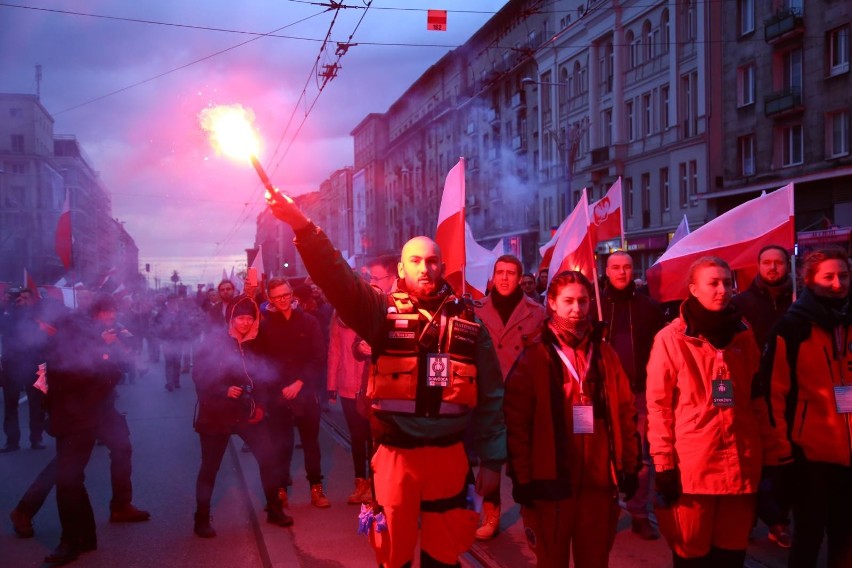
point(828, 361)
point(804, 413)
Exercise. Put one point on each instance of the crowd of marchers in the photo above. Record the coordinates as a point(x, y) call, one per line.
point(732, 409)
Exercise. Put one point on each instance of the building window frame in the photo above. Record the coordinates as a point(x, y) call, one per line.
point(746, 16)
point(746, 86)
point(837, 133)
point(628, 192)
point(665, 195)
point(837, 45)
point(683, 185)
point(746, 151)
point(792, 145)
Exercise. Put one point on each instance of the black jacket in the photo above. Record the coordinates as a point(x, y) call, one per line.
point(760, 309)
point(633, 319)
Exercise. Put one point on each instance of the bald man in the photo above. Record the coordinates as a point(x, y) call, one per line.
point(434, 370)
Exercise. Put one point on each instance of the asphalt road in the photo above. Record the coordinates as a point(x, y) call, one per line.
point(166, 459)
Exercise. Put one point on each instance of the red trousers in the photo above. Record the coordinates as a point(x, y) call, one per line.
point(697, 522)
point(583, 525)
point(406, 477)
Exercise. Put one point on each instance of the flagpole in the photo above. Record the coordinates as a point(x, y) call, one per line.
point(621, 219)
point(594, 262)
point(462, 208)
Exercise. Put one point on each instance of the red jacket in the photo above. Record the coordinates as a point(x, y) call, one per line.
point(718, 450)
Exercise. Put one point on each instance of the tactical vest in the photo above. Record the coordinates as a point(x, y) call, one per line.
point(398, 380)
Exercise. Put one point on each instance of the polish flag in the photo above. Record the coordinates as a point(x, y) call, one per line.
point(736, 237)
point(546, 250)
point(605, 215)
point(63, 233)
point(479, 265)
point(450, 234)
point(258, 262)
point(574, 249)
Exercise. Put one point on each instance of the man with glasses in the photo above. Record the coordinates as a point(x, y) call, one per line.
point(528, 287)
point(291, 341)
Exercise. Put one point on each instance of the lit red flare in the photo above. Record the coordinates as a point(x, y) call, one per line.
point(231, 130)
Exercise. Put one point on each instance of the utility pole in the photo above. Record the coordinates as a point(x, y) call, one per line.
point(38, 82)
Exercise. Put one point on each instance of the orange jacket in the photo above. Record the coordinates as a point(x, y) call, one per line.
point(718, 450)
point(801, 399)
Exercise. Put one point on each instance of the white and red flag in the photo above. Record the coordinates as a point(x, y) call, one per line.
point(450, 234)
point(605, 215)
point(479, 265)
point(736, 237)
point(63, 242)
point(681, 231)
point(574, 248)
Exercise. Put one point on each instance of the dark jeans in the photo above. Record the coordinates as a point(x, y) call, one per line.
point(359, 433)
point(75, 510)
point(213, 448)
point(172, 352)
point(11, 426)
point(115, 435)
point(307, 420)
point(822, 507)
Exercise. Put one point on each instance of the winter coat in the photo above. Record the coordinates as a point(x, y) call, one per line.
point(633, 319)
point(717, 450)
point(82, 372)
point(222, 362)
point(538, 404)
point(522, 328)
point(760, 309)
point(345, 372)
point(803, 367)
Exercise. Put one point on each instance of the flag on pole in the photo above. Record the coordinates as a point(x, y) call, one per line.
point(63, 243)
point(479, 264)
point(257, 262)
point(450, 234)
point(681, 231)
point(30, 283)
point(574, 249)
point(500, 248)
point(546, 250)
point(736, 237)
point(605, 215)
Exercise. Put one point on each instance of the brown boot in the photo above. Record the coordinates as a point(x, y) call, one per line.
point(367, 492)
point(318, 498)
point(490, 521)
point(355, 497)
point(128, 514)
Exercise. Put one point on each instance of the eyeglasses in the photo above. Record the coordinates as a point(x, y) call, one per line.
point(281, 297)
point(380, 278)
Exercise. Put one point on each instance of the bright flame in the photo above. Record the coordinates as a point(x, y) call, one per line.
point(231, 130)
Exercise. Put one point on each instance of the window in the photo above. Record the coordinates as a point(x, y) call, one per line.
point(689, 100)
point(18, 143)
point(647, 114)
point(838, 50)
point(837, 128)
point(792, 150)
point(628, 192)
point(578, 79)
point(631, 121)
point(19, 167)
point(664, 107)
point(793, 70)
point(666, 29)
point(689, 17)
point(684, 184)
point(745, 149)
point(693, 177)
point(563, 87)
point(606, 127)
point(646, 200)
point(745, 85)
point(16, 112)
point(665, 197)
point(634, 46)
point(746, 16)
point(650, 42)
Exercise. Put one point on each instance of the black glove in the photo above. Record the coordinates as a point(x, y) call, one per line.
point(782, 479)
point(667, 484)
point(629, 485)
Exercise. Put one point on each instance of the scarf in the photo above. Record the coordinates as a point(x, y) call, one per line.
point(429, 302)
point(505, 305)
point(568, 330)
point(718, 327)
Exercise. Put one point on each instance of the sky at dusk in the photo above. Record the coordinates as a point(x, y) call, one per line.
point(128, 80)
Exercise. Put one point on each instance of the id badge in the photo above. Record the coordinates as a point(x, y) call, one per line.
point(723, 393)
point(438, 370)
point(584, 419)
point(843, 398)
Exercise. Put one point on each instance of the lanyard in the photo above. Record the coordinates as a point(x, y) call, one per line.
point(442, 325)
point(571, 368)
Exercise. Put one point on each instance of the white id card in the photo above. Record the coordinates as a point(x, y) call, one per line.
point(438, 370)
point(843, 397)
point(584, 419)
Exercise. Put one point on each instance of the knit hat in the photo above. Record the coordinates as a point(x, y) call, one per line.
point(243, 306)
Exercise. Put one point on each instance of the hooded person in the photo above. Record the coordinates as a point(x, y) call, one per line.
point(229, 382)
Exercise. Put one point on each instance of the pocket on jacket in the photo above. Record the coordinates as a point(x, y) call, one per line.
point(462, 387)
point(393, 378)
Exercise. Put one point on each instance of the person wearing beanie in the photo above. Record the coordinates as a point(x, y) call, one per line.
point(705, 430)
point(806, 372)
point(230, 382)
point(571, 430)
point(514, 321)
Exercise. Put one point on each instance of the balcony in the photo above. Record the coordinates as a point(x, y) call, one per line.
point(784, 25)
point(519, 100)
point(519, 144)
point(492, 115)
point(783, 103)
point(600, 155)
